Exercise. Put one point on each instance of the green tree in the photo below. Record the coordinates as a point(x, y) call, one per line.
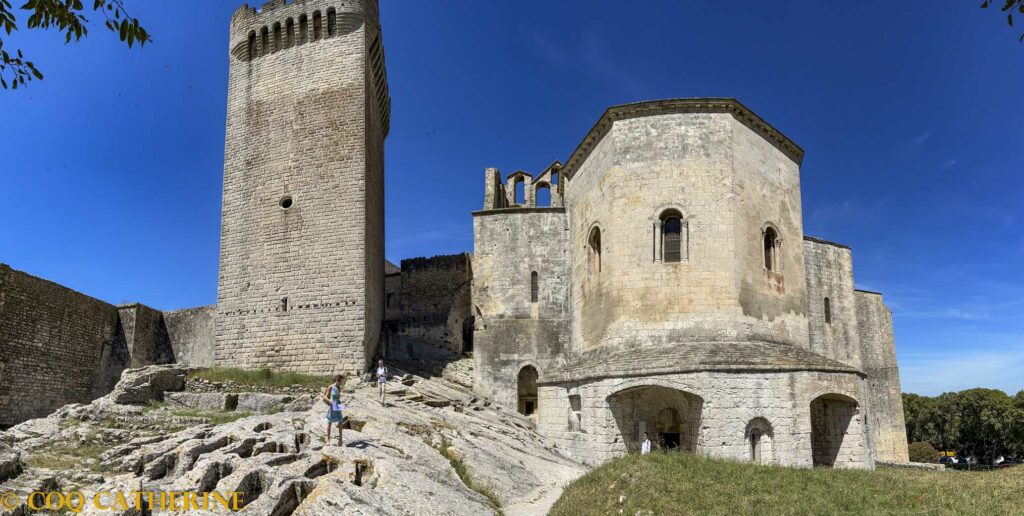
point(1009, 6)
point(923, 451)
point(68, 17)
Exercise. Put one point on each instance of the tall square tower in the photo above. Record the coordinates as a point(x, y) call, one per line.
point(302, 232)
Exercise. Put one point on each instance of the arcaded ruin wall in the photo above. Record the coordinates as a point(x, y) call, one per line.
point(596, 421)
point(431, 305)
point(878, 355)
point(512, 330)
point(56, 346)
point(191, 335)
point(829, 268)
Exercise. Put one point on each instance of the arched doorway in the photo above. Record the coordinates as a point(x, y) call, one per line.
point(833, 420)
point(670, 417)
point(759, 441)
point(526, 388)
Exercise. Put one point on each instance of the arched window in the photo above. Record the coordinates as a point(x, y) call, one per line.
point(289, 33)
point(542, 197)
point(264, 41)
point(771, 242)
point(252, 45)
point(277, 37)
point(554, 178)
point(332, 22)
point(317, 26)
point(672, 236)
point(520, 192)
point(828, 311)
point(594, 251)
point(534, 287)
point(303, 29)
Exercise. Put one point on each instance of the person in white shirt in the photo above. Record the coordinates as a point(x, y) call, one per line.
point(645, 446)
point(382, 379)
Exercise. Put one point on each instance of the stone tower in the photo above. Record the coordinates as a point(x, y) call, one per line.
point(302, 234)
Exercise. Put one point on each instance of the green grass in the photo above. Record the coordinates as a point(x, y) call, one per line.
point(463, 473)
point(61, 457)
point(261, 377)
point(671, 483)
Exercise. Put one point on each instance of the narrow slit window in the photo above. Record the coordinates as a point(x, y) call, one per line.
point(303, 29)
point(277, 37)
point(332, 23)
point(289, 33)
point(317, 26)
point(594, 251)
point(770, 249)
point(264, 41)
point(252, 45)
point(534, 287)
point(671, 237)
point(828, 311)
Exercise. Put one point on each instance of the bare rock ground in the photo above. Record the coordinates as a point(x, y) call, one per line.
point(432, 449)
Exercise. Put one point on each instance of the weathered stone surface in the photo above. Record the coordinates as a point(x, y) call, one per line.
point(10, 462)
point(390, 463)
point(260, 402)
point(139, 386)
point(202, 400)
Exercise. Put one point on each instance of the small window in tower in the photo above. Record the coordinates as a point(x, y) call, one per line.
point(534, 287)
point(284, 304)
point(286, 202)
point(317, 26)
point(252, 45)
point(554, 178)
point(264, 41)
point(771, 242)
point(332, 23)
point(303, 29)
point(828, 311)
point(390, 300)
point(277, 37)
point(289, 33)
point(594, 251)
point(673, 240)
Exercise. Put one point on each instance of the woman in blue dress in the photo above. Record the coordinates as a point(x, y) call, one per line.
point(332, 397)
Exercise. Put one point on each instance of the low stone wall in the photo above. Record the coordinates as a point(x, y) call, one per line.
point(910, 465)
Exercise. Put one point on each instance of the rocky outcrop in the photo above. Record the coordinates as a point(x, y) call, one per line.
point(432, 449)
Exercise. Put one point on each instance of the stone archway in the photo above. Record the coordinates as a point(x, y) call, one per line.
point(670, 417)
point(834, 428)
point(526, 391)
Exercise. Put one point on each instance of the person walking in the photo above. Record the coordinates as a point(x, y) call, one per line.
point(645, 446)
point(332, 397)
point(382, 379)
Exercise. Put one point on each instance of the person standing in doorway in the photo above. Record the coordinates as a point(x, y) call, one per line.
point(645, 446)
point(382, 379)
point(332, 397)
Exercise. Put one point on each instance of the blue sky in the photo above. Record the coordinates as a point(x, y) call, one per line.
point(910, 114)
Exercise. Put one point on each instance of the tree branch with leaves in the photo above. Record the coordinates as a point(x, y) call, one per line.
point(1009, 6)
point(69, 18)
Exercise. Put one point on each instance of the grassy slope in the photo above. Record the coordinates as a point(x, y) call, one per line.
point(685, 484)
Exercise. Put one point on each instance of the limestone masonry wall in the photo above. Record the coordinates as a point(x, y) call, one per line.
point(191, 334)
point(878, 353)
point(301, 279)
point(431, 306)
point(512, 330)
point(829, 269)
point(54, 342)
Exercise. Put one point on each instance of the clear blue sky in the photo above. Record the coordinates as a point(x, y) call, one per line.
point(910, 113)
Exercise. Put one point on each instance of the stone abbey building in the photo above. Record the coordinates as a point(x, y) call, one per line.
point(659, 280)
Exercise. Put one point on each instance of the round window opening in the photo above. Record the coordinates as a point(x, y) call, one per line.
point(286, 202)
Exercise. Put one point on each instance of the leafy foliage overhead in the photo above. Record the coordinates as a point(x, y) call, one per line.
point(1009, 6)
point(69, 18)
